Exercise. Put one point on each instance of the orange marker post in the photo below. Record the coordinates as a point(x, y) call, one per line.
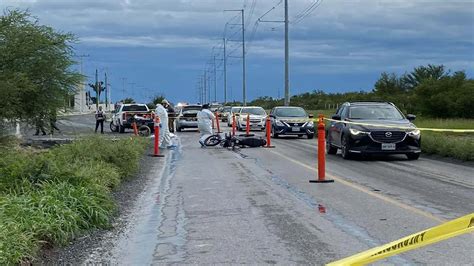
point(135, 129)
point(233, 124)
point(321, 153)
point(217, 123)
point(247, 128)
point(156, 152)
point(268, 127)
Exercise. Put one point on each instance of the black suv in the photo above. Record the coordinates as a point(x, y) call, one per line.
point(290, 120)
point(401, 137)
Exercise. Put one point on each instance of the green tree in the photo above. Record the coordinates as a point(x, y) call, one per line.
point(451, 96)
point(128, 100)
point(35, 67)
point(423, 73)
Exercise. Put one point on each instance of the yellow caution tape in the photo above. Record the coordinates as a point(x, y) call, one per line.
point(399, 127)
point(435, 234)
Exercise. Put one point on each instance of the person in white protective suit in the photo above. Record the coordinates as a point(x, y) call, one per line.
point(165, 135)
point(205, 117)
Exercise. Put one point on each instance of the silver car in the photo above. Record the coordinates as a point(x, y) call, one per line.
point(256, 115)
point(187, 117)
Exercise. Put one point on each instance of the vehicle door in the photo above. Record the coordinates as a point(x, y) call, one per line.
point(337, 128)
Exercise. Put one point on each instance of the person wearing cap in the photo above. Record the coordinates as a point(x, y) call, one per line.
point(205, 118)
point(171, 114)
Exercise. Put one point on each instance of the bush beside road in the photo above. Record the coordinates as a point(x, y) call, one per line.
point(48, 198)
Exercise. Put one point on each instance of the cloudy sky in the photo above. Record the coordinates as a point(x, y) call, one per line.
point(163, 46)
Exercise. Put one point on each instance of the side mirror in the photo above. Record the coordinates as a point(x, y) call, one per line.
point(311, 116)
point(336, 117)
point(272, 116)
point(411, 117)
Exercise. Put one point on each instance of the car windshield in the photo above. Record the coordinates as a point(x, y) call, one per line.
point(253, 111)
point(290, 112)
point(375, 112)
point(135, 108)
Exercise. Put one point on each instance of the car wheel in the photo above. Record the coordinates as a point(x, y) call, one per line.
point(413, 156)
point(113, 127)
point(274, 134)
point(330, 149)
point(310, 136)
point(345, 147)
point(121, 129)
point(178, 129)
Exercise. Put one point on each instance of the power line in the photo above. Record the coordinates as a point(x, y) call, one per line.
point(305, 13)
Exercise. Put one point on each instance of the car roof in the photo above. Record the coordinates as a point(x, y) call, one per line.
point(288, 107)
point(370, 103)
point(252, 107)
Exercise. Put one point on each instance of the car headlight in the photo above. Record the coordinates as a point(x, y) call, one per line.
point(356, 132)
point(310, 124)
point(414, 133)
point(279, 123)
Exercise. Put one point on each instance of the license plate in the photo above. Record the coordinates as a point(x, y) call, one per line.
point(388, 146)
point(295, 129)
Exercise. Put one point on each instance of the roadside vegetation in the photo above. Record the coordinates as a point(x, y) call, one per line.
point(49, 197)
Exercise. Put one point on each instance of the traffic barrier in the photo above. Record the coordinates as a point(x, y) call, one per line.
point(429, 236)
point(321, 153)
point(156, 152)
point(268, 127)
point(233, 124)
point(247, 127)
point(135, 129)
point(399, 127)
point(217, 123)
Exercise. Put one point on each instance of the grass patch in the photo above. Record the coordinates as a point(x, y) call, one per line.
point(455, 145)
point(47, 198)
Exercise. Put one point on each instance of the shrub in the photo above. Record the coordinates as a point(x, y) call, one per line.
point(47, 198)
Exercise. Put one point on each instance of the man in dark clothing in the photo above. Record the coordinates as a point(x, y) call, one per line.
point(171, 114)
point(39, 121)
point(52, 123)
point(99, 120)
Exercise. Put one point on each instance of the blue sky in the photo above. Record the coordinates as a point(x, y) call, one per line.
point(163, 46)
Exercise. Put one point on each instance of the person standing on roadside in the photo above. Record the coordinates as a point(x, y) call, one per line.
point(165, 136)
point(171, 114)
point(39, 122)
point(205, 118)
point(52, 122)
point(99, 120)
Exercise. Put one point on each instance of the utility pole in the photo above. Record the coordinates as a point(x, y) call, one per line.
point(205, 86)
point(244, 90)
point(106, 92)
point(123, 87)
point(215, 80)
point(97, 89)
point(287, 58)
point(243, 61)
point(225, 73)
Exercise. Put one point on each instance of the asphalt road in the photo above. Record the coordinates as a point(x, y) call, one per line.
point(256, 206)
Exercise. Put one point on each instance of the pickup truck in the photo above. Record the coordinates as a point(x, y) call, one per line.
point(124, 115)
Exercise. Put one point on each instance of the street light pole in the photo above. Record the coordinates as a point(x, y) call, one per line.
point(287, 58)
